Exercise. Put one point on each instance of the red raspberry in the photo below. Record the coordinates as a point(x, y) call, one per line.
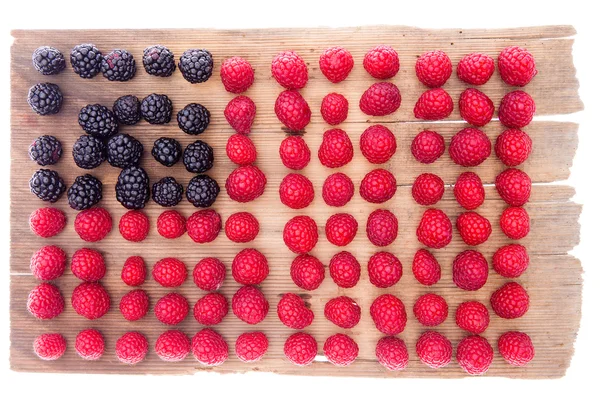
point(474, 354)
point(336, 64)
point(470, 147)
point(131, 348)
point(428, 189)
point(516, 348)
point(382, 228)
point(249, 267)
point(292, 110)
point(93, 224)
point(334, 108)
point(203, 226)
point(510, 301)
point(475, 68)
point(307, 272)
point(475, 107)
point(473, 228)
point(340, 350)
point(240, 149)
point(251, 346)
point(336, 149)
point(426, 268)
point(134, 226)
point(513, 147)
point(385, 270)
point(296, 191)
point(469, 191)
point(516, 66)
point(250, 305)
point(209, 348)
point(134, 305)
point(300, 349)
point(169, 272)
point(211, 309)
point(48, 263)
point(378, 144)
point(47, 221)
point(427, 147)
point(134, 271)
point(344, 270)
point(435, 229)
point(382, 98)
point(171, 309)
point(300, 234)
point(172, 346)
point(516, 109)
point(378, 186)
point(170, 224)
point(45, 301)
point(391, 352)
point(245, 184)
point(511, 260)
point(241, 227)
point(88, 265)
point(338, 190)
point(433, 68)
point(240, 113)
point(472, 316)
point(209, 274)
point(513, 186)
point(90, 300)
point(382, 62)
point(293, 312)
point(434, 104)
point(388, 314)
point(343, 312)
point(470, 270)
point(434, 349)
point(431, 309)
point(341, 229)
point(89, 344)
point(237, 74)
point(289, 70)
point(50, 346)
point(514, 222)
point(294, 152)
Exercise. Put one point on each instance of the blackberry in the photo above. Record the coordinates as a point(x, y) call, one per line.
point(167, 192)
point(98, 120)
point(158, 60)
point(157, 108)
point(166, 151)
point(202, 191)
point(193, 119)
point(127, 110)
point(89, 152)
point(198, 157)
point(85, 192)
point(86, 60)
point(118, 65)
point(45, 150)
point(48, 60)
point(196, 65)
point(123, 150)
point(45, 98)
point(47, 185)
point(133, 188)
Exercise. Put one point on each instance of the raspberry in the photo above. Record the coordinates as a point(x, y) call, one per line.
point(93, 224)
point(426, 268)
point(385, 269)
point(338, 190)
point(90, 300)
point(240, 149)
point(475, 68)
point(378, 186)
point(237, 75)
point(334, 108)
point(510, 301)
point(513, 147)
point(388, 314)
point(343, 312)
point(516, 348)
point(48, 263)
point(172, 346)
point(472, 316)
point(294, 152)
point(89, 344)
point(470, 147)
point(47, 221)
point(241, 227)
point(134, 305)
point(475, 107)
point(245, 183)
point(171, 309)
point(433, 68)
point(470, 270)
point(88, 265)
point(209, 348)
point(427, 147)
point(300, 349)
point(45, 301)
point(249, 267)
point(382, 62)
point(433, 104)
point(513, 186)
point(169, 272)
point(50, 346)
point(289, 70)
point(240, 113)
point(209, 274)
point(300, 234)
point(307, 272)
point(382, 227)
point(134, 226)
point(344, 270)
point(469, 191)
point(391, 352)
point(516, 109)
point(203, 226)
point(474, 354)
point(251, 346)
point(434, 349)
point(250, 305)
point(340, 350)
point(377, 144)
point(514, 222)
point(292, 110)
point(516, 66)
point(296, 191)
point(134, 271)
point(473, 228)
point(131, 348)
point(293, 312)
point(431, 309)
point(382, 98)
point(341, 229)
point(336, 149)
point(170, 224)
point(211, 309)
point(428, 189)
point(336, 64)
point(511, 260)
point(435, 229)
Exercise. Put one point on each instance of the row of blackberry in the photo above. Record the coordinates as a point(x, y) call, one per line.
point(202, 191)
point(84, 193)
point(121, 151)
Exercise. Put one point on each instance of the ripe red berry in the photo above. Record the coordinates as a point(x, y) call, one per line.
point(470, 147)
point(170, 224)
point(245, 184)
point(93, 224)
point(388, 314)
point(382, 227)
point(251, 346)
point(382, 62)
point(171, 309)
point(510, 301)
point(45, 301)
point(514, 186)
point(134, 305)
point(472, 316)
point(391, 352)
point(48, 263)
point(334, 108)
point(338, 190)
point(434, 349)
point(289, 70)
point(169, 272)
point(475, 107)
point(340, 350)
point(513, 147)
point(469, 191)
point(427, 147)
point(240, 113)
point(343, 312)
point(473, 228)
point(430, 309)
point(90, 300)
point(47, 221)
point(50, 346)
point(514, 222)
point(292, 110)
point(475, 68)
point(296, 191)
point(249, 267)
point(516, 348)
point(428, 189)
point(307, 272)
point(300, 234)
point(250, 305)
point(474, 354)
point(344, 270)
point(172, 346)
point(435, 229)
point(134, 271)
point(294, 152)
point(426, 268)
point(88, 265)
point(237, 74)
point(134, 226)
point(293, 312)
point(211, 309)
point(240, 149)
point(203, 226)
point(382, 98)
point(516, 109)
point(336, 63)
point(469, 270)
point(336, 149)
point(241, 227)
point(511, 260)
point(341, 229)
point(378, 186)
point(516, 66)
point(300, 349)
point(377, 144)
point(433, 104)
point(209, 274)
point(433, 68)
point(89, 344)
point(209, 348)
point(131, 348)
point(385, 270)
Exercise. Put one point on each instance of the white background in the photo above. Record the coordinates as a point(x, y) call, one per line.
point(581, 378)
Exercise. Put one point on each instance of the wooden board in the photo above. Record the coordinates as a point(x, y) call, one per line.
point(555, 230)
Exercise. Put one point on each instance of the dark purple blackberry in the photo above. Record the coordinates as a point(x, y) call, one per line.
point(133, 188)
point(198, 157)
point(47, 185)
point(123, 150)
point(167, 192)
point(157, 109)
point(193, 119)
point(86, 60)
point(98, 121)
point(48, 60)
point(127, 110)
point(166, 151)
point(196, 65)
point(45, 150)
point(158, 60)
point(89, 152)
point(45, 98)
point(118, 65)
point(85, 192)
point(202, 191)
